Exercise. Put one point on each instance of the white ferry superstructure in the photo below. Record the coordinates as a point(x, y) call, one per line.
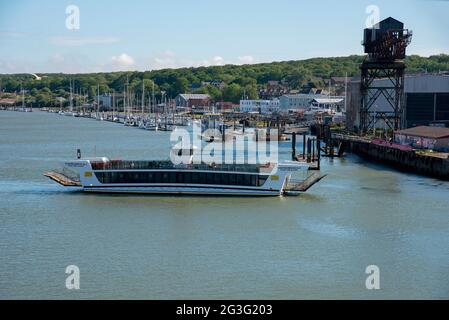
point(103, 175)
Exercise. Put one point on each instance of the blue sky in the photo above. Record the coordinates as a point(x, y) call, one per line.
point(153, 34)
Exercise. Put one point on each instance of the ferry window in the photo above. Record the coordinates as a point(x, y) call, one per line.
point(157, 177)
point(195, 177)
point(143, 177)
point(239, 179)
point(262, 180)
point(99, 176)
point(165, 178)
point(150, 177)
point(180, 177)
point(172, 177)
point(210, 178)
point(232, 179)
point(217, 178)
point(187, 177)
point(224, 180)
point(254, 180)
point(247, 180)
point(202, 178)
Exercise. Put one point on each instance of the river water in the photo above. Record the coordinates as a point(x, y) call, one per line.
point(317, 245)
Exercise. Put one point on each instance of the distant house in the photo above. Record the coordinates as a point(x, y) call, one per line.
point(298, 101)
point(226, 106)
point(340, 81)
point(274, 89)
point(424, 137)
point(4, 102)
point(215, 83)
point(105, 100)
point(260, 106)
point(333, 103)
point(192, 100)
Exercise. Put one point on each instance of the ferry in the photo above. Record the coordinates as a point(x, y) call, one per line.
point(104, 175)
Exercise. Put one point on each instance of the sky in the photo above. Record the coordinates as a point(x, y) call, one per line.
point(114, 35)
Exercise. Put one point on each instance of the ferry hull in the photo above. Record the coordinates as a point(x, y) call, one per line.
point(184, 191)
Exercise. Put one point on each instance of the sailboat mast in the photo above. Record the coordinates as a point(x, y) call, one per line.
point(152, 101)
point(124, 101)
point(143, 97)
point(113, 104)
point(346, 91)
point(23, 97)
point(98, 100)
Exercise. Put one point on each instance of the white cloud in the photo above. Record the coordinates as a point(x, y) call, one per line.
point(82, 41)
point(76, 62)
point(246, 59)
point(169, 59)
point(57, 58)
point(123, 60)
point(7, 34)
point(218, 61)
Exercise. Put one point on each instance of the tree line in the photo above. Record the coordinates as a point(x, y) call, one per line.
point(235, 80)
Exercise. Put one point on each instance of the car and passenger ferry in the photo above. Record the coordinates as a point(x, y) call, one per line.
point(104, 175)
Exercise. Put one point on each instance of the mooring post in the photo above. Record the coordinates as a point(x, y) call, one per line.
point(304, 146)
point(318, 145)
point(294, 146)
point(331, 148)
point(309, 147)
point(312, 146)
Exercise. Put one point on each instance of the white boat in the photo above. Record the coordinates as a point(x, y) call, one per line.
point(103, 175)
point(151, 126)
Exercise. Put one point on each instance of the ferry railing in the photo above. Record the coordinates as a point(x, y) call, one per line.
point(168, 165)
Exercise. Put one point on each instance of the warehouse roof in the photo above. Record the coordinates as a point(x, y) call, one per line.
point(426, 132)
point(328, 100)
point(195, 96)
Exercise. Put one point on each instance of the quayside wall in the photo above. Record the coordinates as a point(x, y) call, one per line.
point(404, 160)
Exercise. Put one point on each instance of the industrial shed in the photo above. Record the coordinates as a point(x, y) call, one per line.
point(424, 137)
point(426, 100)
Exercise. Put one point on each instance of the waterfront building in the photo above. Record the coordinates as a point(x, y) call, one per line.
point(225, 106)
point(7, 102)
point(424, 137)
point(192, 100)
point(260, 106)
point(304, 101)
point(426, 101)
point(328, 103)
point(105, 100)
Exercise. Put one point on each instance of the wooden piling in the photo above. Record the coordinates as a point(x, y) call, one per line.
point(294, 146)
point(303, 146)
